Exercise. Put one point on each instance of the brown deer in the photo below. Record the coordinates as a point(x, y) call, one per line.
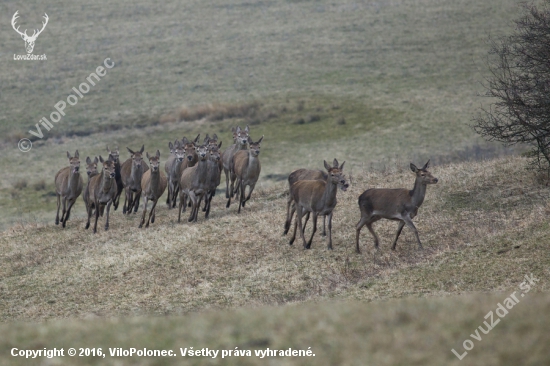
point(115, 154)
point(213, 175)
point(246, 167)
point(190, 159)
point(153, 185)
point(91, 171)
point(319, 198)
point(174, 173)
point(194, 184)
point(68, 186)
point(394, 204)
point(131, 172)
point(102, 189)
point(241, 143)
point(168, 167)
point(306, 174)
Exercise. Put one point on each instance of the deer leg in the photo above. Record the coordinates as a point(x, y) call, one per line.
point(362, 221)
point(251, 188)
point(228, 201)
point(324, 233)
point(58, 206)
point(125, 201)
point(71, 203)
point(399, 228)
point(241, 195)
point(329, 219)
point(96, 217)
point(376, 241)
point(300, 227)
point(226, 171)
point(169, 195)
point(107, 216)
point(180, 206)
point(410, 224)
point(294, 233)
point(290, 209)
point(89, 209)
point(193, 199)
point(152, 213)
point(64, 200)
point(314, 219)
point(175, 194)
point(144, 213)
point(136, 204)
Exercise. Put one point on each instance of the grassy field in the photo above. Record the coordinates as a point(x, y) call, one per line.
point(377, 84)
point(484, 227)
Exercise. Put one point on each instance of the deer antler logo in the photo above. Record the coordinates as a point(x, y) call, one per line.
point(29, 41)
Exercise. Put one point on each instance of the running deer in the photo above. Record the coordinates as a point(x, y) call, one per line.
point(194, 184)
point(174, 173)
point(213, 175)
point(394, 204)
point(102, 189)
point(246, 167)
point(120, 187)
point(306, 174)
point(91, 171)
point(153, 185)
point(168, 167)
point(319, 198)
point(131, 172)
point(189, 160)
point(68, 186)
point(241, 142)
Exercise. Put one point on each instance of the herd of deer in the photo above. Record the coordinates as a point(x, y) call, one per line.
point(193, 171)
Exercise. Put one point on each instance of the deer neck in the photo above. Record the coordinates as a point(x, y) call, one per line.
point(201, 172)
point(136, 174)
point(74, 180)
point(329, 195)
point(107, 181)
point(155, 181)
point(418, 192)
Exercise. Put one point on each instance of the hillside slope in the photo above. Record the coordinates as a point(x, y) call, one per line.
point(484, 226)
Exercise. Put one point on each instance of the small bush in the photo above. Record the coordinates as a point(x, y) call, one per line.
point(341, 121)
point(20, 184)
point(40, 185)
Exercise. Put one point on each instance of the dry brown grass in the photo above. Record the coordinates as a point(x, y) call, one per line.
point(483, 227)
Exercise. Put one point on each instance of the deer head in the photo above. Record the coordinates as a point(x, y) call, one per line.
point(29, 41)
point(74, 162)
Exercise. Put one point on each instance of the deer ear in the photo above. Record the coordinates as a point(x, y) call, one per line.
point(170, 145)
point(426, 165)
point(327, 167)
point(147, 154)
point(101, 159)
point(214, 137)
point(76, 154)
point(414, 168)
point(108, 148)
point(220, 144)
point(68, 155)
point(238, 129)
point(158, 153)
point(96, 160)
point(260, 140)
point(197, 138)
point(116, 148)
point(131, 152)
point(342, 166)
point(88, 160)
point(335, 163)
point(142, 148)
